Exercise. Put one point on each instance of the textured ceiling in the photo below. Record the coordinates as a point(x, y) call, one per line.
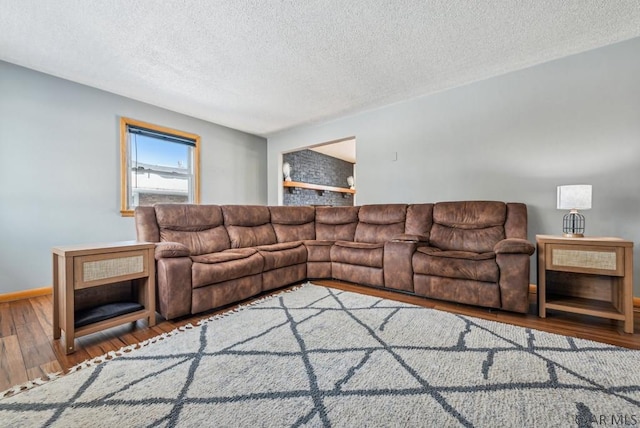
point(265, 66)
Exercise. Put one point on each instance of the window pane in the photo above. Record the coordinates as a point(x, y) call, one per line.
point(158, 165)
point(161, 171)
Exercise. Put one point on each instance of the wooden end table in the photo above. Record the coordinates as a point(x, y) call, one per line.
point(83, 266)
point(590, 276)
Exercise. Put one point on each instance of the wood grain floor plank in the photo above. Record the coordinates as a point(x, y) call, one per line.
point(6, 320)
point(70, 360)
point(12, 367)
point(124, 336)
point(163, 327)
point(44, 370)
point(97, 344)
point(21, 312)
point(42, 308)
point(35, 345)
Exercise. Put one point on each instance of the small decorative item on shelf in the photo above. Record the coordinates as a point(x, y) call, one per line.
point(350, 182)
point(574, 198)
point(286, 170)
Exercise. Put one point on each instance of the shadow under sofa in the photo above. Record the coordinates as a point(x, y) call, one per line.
point(209, 256)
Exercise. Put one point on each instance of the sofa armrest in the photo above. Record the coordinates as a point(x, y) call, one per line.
point(397, 268)
point(173, 282)
point(514, 281)
point(513, 256)
point(165, 250)
point(406, 237)
point(514, 246)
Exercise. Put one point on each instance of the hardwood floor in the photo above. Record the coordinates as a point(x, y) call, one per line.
point(28, 351)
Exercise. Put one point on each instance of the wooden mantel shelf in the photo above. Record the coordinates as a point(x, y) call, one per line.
point(319, 187)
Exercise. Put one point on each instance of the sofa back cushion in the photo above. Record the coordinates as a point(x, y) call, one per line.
point(336, 223)
point(248, 225)
point(380, 223)
point(468, 226)
point(419, 220)
point(293, 223)
point(198, 227)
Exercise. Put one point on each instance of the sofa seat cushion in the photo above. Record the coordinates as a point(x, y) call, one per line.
point(282, 255)
point(358, 253)
point(224, 256)
point(456, 264)
point(281, 246)
point(224, 266)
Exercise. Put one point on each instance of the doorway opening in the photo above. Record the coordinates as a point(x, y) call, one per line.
point(320, 175)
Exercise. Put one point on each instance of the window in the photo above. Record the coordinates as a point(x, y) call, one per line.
point(158, 165)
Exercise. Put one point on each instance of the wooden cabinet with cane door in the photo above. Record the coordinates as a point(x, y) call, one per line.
point(86, 267)
point(590, 276)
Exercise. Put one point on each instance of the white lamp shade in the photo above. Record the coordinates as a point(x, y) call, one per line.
point(574, 197)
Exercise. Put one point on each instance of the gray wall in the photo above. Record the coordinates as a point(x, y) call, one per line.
point(312, 167)
point(60, 170)
point(513, 138)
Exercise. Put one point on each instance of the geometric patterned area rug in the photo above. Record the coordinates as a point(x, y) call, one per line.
point(321, 357)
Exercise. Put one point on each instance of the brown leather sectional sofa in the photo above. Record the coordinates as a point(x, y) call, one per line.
point(208, 256)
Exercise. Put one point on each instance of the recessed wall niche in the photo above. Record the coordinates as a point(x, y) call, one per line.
point(308, 166)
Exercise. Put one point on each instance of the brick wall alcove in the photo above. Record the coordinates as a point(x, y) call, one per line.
point(312, 167)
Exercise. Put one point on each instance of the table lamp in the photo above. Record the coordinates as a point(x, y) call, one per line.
point(573, 198)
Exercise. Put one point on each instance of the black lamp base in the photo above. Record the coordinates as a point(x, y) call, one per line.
point(573, 225)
